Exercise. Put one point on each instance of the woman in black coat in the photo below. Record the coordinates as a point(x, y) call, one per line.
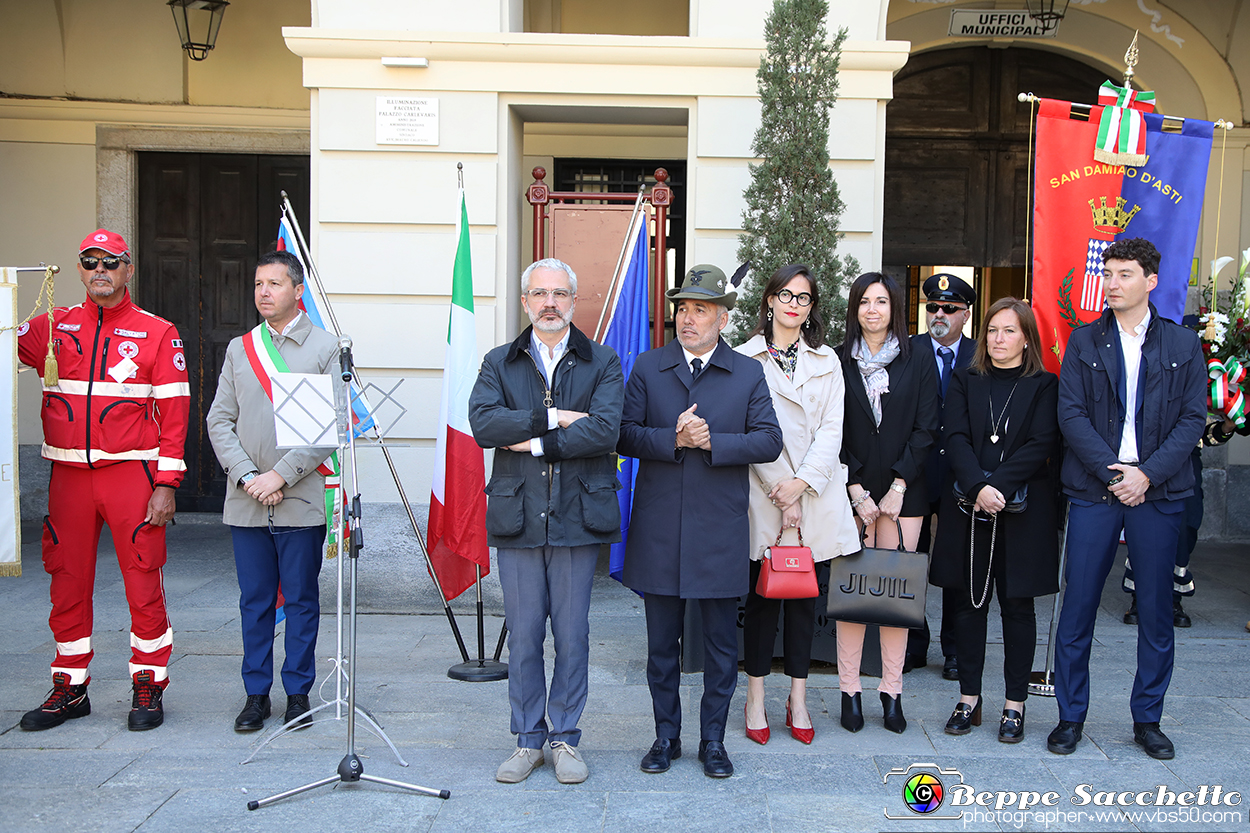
point(893, 416)
point(1002, 428)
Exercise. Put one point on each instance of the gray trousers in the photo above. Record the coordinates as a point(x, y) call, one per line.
point(538, 583)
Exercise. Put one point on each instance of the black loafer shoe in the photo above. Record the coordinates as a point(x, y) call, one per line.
point(963, 718)
point(852, 712)
point(663, 753)
point(1011, 726)
point(252, 718)
point(715, 759)
point(1130, 615)
point(950, 669)
point(892, 713)
point(1156, 744)
point(1180, 619)
point(296, 710)
point(1064, 738)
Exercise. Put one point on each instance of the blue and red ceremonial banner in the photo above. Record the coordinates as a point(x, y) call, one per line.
point(1081, 205)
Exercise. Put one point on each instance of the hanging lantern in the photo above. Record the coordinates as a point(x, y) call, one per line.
point(189, 14)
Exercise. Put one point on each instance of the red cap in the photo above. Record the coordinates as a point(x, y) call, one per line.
point(109, 241)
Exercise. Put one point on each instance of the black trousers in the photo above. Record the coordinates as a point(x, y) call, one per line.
point(1019, 640)
point(665, 616)
point(918, 638)
point(759, 628)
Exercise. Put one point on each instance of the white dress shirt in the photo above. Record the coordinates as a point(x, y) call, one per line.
point(1131, 344)
point(548, 359)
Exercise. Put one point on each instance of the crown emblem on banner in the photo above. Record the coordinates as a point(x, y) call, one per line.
point(1111, 220)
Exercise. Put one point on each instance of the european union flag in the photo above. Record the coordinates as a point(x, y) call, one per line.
point(627, 333)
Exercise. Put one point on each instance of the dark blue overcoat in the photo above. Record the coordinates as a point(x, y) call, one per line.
point(689, 533)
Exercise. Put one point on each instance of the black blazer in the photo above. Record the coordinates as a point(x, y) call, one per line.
point(936, 468)
point(910, 421)
point(1028, 546)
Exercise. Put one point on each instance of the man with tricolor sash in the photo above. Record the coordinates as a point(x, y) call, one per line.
point(276, 501)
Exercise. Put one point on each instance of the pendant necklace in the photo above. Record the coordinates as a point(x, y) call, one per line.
point(997, 423)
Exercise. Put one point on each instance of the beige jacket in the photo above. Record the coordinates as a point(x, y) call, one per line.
point(809, 410)
point(241, 429)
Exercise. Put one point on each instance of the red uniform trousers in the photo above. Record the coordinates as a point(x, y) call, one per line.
point(80, 502)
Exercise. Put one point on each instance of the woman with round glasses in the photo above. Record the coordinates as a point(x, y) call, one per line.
point(1002, 428)
point(802, 490)
point(893, 416)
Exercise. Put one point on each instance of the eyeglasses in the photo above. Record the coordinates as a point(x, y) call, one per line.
point(949, 309)
point(803, 299)
point(110, 262)
point(539, 295)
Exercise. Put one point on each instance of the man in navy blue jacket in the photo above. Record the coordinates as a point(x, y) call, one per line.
point(1132, 404)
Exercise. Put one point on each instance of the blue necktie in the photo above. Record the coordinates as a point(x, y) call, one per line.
point(948, 360)
point(696, 367)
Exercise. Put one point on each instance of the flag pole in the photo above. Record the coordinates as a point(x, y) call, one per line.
point(289, 213)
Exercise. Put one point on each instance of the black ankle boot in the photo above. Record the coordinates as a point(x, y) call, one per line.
point(892, 713)
point(852, 712)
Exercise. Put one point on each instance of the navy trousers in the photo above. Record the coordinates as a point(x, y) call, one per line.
point(291, 555)
point(1151, 530)
point(665, 618)
point(542, 582)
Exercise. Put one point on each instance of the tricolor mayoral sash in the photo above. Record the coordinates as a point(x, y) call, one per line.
point(1081, 205)
point(266, 362)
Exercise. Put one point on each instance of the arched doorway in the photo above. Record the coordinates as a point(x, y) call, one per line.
point(956, 162)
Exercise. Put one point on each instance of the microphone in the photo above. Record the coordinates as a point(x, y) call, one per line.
point(345, 356)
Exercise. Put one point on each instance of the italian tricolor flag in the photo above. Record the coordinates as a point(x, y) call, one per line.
point(457, 528)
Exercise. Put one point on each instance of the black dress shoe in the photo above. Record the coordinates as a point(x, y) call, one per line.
point(297, 710)
point(892, 713)
point(1180, 618)
point(950, 669)
point(715, 759)
point(1011, 726)
point(1064, 737)
point(1130, 615)
point(964, 717)
point(253, 716)
point(1156, 744)
point(911, 661)
point(852, 712)
point(663, 753)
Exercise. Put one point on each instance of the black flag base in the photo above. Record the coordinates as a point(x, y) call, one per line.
point(479, 671)
point(1042, 684)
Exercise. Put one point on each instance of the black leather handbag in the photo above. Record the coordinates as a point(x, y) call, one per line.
point(880, 586)
point(1017, 501)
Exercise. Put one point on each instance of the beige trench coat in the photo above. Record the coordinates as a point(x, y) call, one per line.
point(810, 412)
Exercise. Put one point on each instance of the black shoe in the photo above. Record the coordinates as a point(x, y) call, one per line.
point(1180, 618)
point(663, 753)
point(964, 717)
point(64, 702)
point(1064, 737)
point(146, 711)
point(911, 661)
point(892, 713)
point(715, 759)
point(1130, 615)
point(296, 710)
point(1011, 726)
point(1156, 744)
point(852, 712)
point(950, 669)
point(254, 713)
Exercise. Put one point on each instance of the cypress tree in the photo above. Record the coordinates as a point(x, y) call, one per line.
point(793, 206)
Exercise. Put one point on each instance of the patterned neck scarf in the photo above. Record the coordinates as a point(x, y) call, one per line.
point(873, 369)
point(786, 359)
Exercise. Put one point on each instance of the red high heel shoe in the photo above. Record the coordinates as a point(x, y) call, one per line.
point(760, 736)
point(801, 735)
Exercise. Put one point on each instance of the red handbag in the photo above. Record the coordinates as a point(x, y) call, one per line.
point(787, 572)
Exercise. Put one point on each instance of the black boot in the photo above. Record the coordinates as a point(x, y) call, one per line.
point(1130, 616)
point(852, 712)
point(1180, 618)
point(892, 713)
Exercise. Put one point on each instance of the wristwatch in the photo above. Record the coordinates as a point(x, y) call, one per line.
point(247, 478)
point(894, 487)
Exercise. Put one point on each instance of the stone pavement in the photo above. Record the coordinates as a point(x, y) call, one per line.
point(93, 775)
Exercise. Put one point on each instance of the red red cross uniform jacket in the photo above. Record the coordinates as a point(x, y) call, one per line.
point(114, 427)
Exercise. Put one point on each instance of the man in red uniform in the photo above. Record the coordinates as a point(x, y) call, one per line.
point(114, 427)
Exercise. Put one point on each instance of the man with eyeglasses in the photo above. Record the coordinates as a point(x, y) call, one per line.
point(549, 404)
point(950, 299)
point(114, 427)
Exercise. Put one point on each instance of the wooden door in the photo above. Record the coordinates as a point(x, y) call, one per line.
point(203, 221)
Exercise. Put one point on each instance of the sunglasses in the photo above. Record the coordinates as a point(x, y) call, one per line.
point(949, 309)
point(110, 262)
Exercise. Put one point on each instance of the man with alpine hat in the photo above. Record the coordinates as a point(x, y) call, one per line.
point(949, 307)
point(696, 415)
point(115, 407)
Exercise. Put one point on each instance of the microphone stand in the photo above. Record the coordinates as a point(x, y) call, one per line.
point(350, 769)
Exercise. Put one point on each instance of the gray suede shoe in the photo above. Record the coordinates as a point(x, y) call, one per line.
point(570, 768)
point(519, 765)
